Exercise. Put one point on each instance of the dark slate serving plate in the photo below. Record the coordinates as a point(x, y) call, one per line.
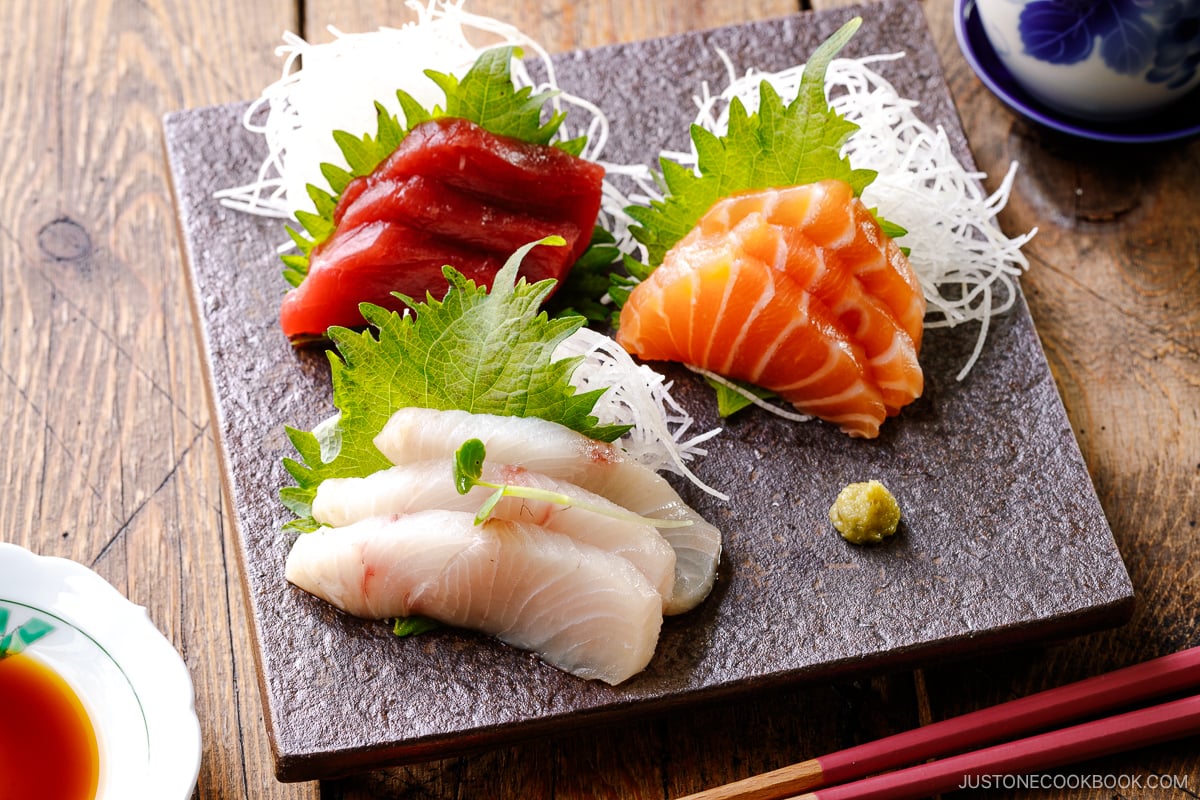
point(1003, 541)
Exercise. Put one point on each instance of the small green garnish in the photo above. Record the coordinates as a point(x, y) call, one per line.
point(474, 350)
point(468, 473)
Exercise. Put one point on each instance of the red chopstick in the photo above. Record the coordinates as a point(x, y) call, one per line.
point(1045, 751)
point(1053, 707)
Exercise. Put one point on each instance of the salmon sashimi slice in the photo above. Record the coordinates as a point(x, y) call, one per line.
point(714, 306)
point(582, 610)
point(891, 355)
point(767, 272)
point(834, 219)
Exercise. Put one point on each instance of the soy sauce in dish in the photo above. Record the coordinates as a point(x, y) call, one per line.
point(48, 747)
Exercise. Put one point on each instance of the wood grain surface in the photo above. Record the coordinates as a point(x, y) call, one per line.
point(107, 454)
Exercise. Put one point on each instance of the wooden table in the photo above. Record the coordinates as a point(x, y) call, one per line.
point(108, 456)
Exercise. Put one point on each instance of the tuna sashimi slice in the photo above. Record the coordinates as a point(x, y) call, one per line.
point(440, 211)
point(369, 263)
point(545, 180)
point(452, 193)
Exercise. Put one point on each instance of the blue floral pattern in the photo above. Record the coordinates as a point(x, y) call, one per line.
point(1133, 35)
point(1178, 55)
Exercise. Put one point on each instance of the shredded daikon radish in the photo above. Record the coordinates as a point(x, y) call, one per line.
point(636, 395)
point(966, 265)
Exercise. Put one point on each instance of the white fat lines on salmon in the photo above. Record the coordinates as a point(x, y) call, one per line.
point(586, 591)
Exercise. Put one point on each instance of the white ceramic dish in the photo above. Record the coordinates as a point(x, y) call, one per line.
point(133, 683)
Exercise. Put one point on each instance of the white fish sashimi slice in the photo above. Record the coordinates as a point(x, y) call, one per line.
point(417, 434)
point(582, 610)
point(429, 485)
point(421, 434)
point(697, 546)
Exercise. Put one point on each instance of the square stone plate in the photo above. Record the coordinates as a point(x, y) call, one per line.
point(1003, 540)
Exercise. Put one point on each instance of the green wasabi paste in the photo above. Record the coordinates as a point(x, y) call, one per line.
point(865, 513)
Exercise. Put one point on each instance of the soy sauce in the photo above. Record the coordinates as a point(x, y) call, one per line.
point(48, 748)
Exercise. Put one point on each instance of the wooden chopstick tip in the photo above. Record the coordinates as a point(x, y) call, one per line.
point(774, 785)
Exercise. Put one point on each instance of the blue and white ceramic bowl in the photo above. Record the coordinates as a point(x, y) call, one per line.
point(1098, 59)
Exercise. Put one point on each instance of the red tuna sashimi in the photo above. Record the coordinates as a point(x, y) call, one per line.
point(825, 279)
point(331, 296)
point(451, 194)
point(430, 205)
point(545, 180)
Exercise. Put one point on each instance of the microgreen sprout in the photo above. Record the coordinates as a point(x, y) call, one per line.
point(468, 473)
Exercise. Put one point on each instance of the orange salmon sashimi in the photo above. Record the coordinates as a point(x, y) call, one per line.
point(891, 355)
point(831, 322)
point(829, 215)
point(719, 308)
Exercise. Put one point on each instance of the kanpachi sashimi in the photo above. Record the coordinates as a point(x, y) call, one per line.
point(581, 609)
point(420, 434)
point(797, 290)
point(429, 485)
point(582, 578)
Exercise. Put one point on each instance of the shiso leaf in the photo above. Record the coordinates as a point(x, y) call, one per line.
point(778, 145)
point(730, 401)
point(474, 350)
point(588, 280)
point(891, 230)
point(487, 97)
